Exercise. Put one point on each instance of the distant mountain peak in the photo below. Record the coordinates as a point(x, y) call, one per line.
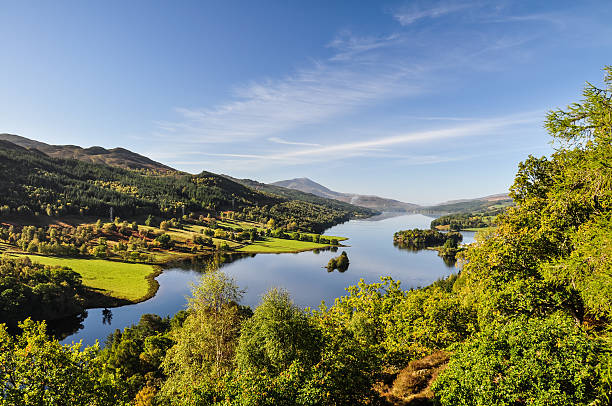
point(372, 202)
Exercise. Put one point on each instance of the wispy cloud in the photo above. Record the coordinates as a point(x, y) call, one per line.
point(310, 96)
point(407, 16)
point(348, 46)
point(541, 17)
point(362, 74)
point(376, 146)
point(481, 127)
point(277, 140)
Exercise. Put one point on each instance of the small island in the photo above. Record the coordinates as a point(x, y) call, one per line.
point(341, 263)
point(447, 244)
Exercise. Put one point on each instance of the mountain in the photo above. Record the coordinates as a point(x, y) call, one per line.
point(118, 157)
point(372, 202)
point(294, 194)
point(32, 183)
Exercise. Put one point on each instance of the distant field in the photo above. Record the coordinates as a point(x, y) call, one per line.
point(274, 245)
point(187, 234)
point(117, 279)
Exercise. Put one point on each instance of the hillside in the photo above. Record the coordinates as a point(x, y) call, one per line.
point(480, 204)
point(34, 183)
point(372, 202)
point(118, 157)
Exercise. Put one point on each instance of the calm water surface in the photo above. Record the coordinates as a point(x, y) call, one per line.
point(370, 250)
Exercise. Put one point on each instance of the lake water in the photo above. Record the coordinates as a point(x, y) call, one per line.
point(371, 254)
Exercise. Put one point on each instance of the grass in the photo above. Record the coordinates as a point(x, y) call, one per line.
point(278, 245)
point(120, 280)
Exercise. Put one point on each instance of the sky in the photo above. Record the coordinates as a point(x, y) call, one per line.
point(421, 101)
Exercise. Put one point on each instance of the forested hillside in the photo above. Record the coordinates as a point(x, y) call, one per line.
point(35, 184)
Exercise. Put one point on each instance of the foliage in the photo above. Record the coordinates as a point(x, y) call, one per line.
point(460, 221)
point(135, 354)
point(29, 289)
point(341, 263)
point(541, 282)
point(419, 239)
point(205, 344)
point(532, 361)
point(36, 370)
point(278, 334)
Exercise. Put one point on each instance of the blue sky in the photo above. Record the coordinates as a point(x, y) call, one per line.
point(422, 101)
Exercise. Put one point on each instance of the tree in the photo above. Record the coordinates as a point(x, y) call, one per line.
point(149, 221)
point(206, 342)
point(278, 334)
point(164, 240)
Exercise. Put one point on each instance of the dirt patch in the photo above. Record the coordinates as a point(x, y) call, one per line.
point(412, 385)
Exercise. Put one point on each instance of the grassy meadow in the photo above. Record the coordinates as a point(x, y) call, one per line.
point(120, 280)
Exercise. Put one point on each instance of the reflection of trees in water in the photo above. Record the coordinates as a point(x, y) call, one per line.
point(201, 263)
point(449, 260)
point(408, 247)
point(107, 316)
point(64, 327)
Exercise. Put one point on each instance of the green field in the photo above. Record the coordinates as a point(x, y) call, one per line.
point(117, 279)
point(278, 245)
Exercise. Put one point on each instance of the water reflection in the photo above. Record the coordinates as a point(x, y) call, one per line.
point(107, 316)
point(67, 326)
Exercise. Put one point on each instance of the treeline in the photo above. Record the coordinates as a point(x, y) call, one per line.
point(461, 221)
point(297, 215)
point(29, 289)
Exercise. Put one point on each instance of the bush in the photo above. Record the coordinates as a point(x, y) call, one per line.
point(526, 361)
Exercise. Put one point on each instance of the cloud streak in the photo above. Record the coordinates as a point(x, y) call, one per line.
point(410, 16)
point(277, 140)
point(376, 146)
point(308, 97)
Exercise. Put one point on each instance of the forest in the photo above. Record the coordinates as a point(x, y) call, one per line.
point(526, 321)
point(35, 185)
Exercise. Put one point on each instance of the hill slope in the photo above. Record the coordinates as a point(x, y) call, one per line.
point(33, 182)
point(372, 202)
point(471, 205)
point(119, 157)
